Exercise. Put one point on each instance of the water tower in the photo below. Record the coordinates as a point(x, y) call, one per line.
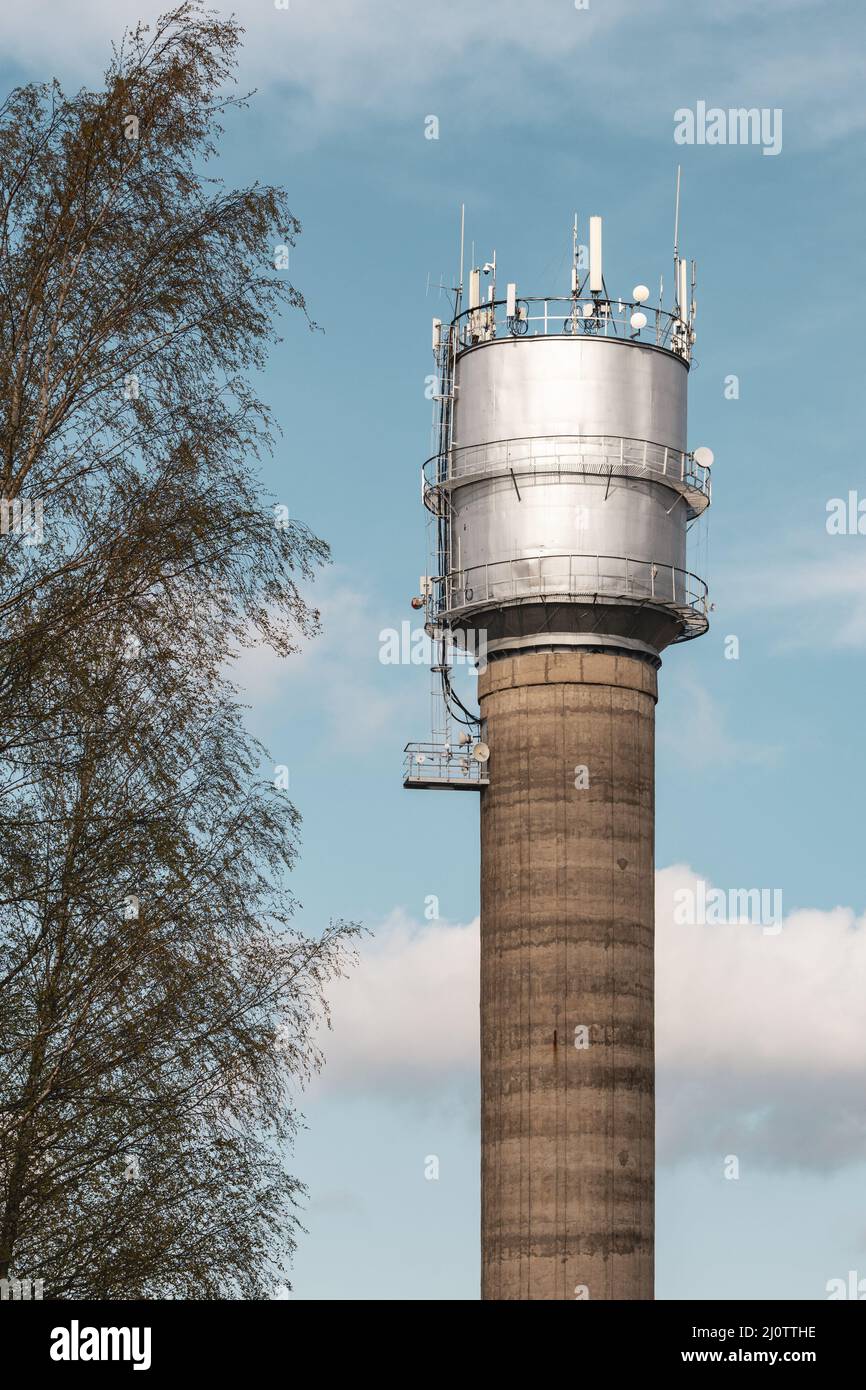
point(560, 494)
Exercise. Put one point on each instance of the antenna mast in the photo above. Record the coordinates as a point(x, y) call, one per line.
point(460, 284)
point(680, 267)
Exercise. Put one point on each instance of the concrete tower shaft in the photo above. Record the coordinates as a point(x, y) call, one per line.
point(567, 978)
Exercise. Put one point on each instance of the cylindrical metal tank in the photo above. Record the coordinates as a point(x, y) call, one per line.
point(568, 489)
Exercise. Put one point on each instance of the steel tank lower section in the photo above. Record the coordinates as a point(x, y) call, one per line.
point(567, 925)
point(499, 523)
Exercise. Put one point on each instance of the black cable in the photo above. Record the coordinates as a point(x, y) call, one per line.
point(473, 721)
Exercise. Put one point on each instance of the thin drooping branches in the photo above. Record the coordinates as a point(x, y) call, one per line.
point(157, 997)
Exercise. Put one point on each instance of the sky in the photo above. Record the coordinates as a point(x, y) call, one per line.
point(543, 110)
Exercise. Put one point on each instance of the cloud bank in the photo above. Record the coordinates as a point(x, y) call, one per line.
point(405, 1023)
point(761, 1037)
point(335, 62)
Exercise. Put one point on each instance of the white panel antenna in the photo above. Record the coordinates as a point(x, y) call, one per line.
point(596, 284)
point(683, 289)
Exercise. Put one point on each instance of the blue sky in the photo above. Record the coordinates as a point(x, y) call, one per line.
point(544, 110)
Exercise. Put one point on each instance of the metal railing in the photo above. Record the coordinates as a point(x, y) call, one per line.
point(592, 578)
point(597, 455)
point(571, 316)
point(440, 765)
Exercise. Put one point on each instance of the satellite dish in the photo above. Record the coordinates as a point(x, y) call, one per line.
point(463, 739)
point(419, 757)
point(481, 752)
point(704, 457)
point(640, 294)
point(588, 311)
point(638, 320)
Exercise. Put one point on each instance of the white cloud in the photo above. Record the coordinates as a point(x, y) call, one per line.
point(337, 61)
point(405, 1022)
point(824, 592)
point(711, 742)
point(337, 681)
point(761, 1038)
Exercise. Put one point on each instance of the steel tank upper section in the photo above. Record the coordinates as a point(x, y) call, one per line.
point(517, 388)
